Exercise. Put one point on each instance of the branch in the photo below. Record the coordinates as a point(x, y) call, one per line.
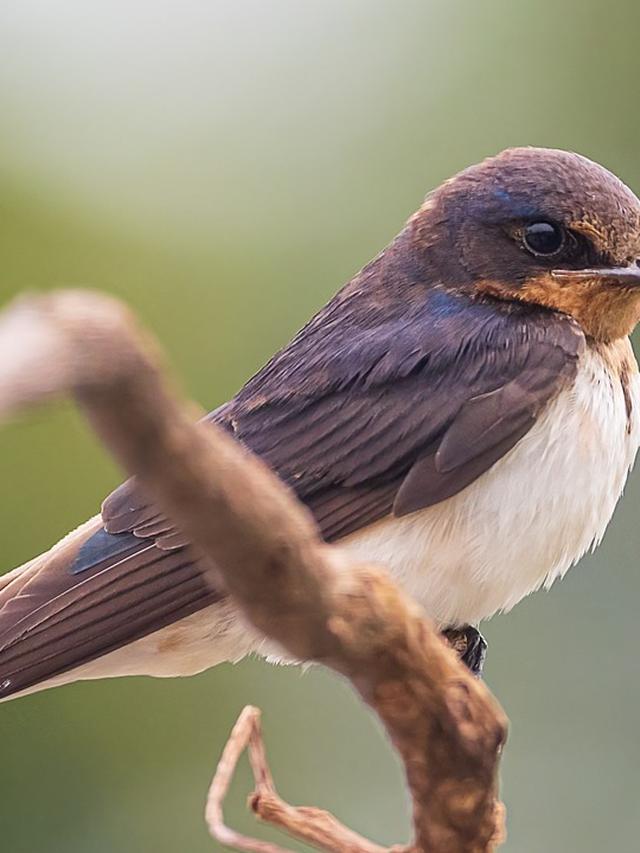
point(311, 598)
point(314, 826)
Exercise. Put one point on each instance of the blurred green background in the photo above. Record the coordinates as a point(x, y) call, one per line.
point(224, 167)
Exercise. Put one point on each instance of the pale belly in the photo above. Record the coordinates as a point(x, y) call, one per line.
point(522, 524)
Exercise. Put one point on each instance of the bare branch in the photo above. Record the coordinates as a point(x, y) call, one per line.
point(311, 598)
point(314, 826)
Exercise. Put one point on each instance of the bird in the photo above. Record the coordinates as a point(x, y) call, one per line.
point(464, 412)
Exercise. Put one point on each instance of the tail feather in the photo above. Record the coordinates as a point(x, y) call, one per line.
point(54, 619)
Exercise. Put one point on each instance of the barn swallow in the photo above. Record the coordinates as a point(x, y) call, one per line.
point(465, 412)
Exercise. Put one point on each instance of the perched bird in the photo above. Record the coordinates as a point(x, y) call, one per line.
point(465, 412)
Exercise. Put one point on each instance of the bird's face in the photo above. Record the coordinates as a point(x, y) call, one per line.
point(544, 227)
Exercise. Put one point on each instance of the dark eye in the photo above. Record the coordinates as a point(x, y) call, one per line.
point(543, 238)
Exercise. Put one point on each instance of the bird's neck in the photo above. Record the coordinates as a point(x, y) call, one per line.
point(604, 313)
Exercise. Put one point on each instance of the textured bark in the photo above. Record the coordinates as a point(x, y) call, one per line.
point(310, 597)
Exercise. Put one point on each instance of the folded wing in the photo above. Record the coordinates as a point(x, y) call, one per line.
point(359, 421)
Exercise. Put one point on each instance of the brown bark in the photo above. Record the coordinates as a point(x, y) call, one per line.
point(310, 597)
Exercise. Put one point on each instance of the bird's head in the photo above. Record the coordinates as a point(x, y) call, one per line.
point(540, 226)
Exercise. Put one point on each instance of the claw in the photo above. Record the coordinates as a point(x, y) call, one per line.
point(470, 645)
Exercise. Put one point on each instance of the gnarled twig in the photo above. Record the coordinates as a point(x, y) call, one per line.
point(311, 598)
point(314, 826)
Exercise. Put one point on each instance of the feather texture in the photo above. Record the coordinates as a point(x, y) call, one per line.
point(371, 410)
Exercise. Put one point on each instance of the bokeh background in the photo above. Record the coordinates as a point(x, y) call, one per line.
point(224, 167)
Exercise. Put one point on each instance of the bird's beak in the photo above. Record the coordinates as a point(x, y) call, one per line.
point(629, 276)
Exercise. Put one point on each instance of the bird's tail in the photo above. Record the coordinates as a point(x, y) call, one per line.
point(138, 610)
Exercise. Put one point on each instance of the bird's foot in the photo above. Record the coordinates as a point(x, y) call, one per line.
point(470, 646)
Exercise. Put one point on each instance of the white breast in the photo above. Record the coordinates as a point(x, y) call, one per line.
point(530, 517)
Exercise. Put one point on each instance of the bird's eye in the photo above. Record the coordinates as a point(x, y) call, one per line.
point(543, 238)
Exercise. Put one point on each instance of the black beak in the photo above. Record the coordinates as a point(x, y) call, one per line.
point(629, 276)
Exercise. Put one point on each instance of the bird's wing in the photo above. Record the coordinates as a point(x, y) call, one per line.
point(359, 421)
point(392, 419)
point(53, 620)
